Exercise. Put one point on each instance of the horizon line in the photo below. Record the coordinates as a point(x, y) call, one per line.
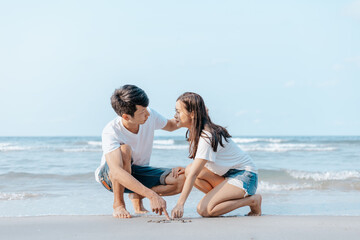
point(290, 135)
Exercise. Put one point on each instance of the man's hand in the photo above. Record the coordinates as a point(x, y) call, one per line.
point(170, 125)
point(177, 171)
point(158, 205)
point(177, 211)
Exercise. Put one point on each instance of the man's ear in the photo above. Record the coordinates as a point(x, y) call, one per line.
point(192, 115)
point(125, 117)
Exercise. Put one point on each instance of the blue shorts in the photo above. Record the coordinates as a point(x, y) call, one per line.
point(243, 179)
point(148, 176)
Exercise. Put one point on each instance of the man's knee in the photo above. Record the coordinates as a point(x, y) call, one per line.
point(112, 178)
point(176, 183)
point(126, 149)
point(126, 153)
point(180, 183)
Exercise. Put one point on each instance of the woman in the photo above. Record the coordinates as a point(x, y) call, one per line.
point(220, 168)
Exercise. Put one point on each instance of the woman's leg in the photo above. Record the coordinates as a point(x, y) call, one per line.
point(225, 198)
point(206, 180)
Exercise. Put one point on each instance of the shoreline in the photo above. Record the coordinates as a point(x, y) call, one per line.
point(156, 227)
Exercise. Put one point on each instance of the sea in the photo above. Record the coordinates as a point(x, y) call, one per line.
point(298, 175)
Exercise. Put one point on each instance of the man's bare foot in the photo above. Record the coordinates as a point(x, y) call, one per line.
point(256, 206)
point(136, 200)
point(121, 212)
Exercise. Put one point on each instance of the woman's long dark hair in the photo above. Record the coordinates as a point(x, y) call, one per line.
point(195, 104)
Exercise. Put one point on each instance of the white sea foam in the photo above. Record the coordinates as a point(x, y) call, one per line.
point(17, 196)
point(251, 140)
point(82, 150)
point(275, 147)
point(170, 147)
point(165, 142)
point(4, 147)
point(94, 143)
point(271, 187)
point(324, 176)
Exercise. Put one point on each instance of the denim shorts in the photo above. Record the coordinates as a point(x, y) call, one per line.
point(148, 176)
point(243, 179)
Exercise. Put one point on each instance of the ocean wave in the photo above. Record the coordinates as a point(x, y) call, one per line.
point(268, 186)
point(94, 143)
point(171, 147)
point(4, 144)
point(272, 187)
point(17, 196)
point(5, 147)
point(32, 176)
point(324, 176)
point(165, 142)
point(274, 147)
point(252, 140)
point(82, 150)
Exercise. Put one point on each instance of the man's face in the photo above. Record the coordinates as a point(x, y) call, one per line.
point(141, 115)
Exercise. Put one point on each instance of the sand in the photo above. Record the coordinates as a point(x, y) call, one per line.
point(156, 227)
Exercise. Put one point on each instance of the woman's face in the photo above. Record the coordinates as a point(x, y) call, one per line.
point(182, 116)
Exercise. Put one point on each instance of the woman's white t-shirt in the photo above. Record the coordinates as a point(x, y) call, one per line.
point(225, 158)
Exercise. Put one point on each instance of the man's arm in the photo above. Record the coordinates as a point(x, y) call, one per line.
point(171, 125)
point(115, 163)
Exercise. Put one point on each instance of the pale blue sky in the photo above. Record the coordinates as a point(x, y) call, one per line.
point(263, 67)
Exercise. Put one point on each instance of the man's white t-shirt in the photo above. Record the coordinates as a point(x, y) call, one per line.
point(225, 158)
point(115, 134)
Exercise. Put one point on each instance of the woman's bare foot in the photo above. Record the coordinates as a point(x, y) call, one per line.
point(136, 200)
point(121, 212)
point(256, 206)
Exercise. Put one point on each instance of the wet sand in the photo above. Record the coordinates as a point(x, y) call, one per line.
point(156, 227)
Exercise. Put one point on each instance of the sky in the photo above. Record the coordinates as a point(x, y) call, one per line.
point(274, 68)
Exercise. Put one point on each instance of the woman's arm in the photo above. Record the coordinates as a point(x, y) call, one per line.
point(195, 169)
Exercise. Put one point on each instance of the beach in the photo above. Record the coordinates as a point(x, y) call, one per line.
point(155, 227)
point(310, 188)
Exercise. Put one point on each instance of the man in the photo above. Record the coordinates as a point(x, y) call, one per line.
point(127, 145)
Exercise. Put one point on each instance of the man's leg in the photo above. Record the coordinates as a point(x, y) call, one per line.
point(119, 203)
point(137, 203)
point(173, 186)
point(160, 180)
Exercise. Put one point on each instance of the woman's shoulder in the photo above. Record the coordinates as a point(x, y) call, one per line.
point(205, 135)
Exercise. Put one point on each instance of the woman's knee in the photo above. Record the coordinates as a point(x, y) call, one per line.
point(202, 209)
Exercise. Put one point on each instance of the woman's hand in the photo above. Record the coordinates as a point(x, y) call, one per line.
point(177, 211)
point(177, 171)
